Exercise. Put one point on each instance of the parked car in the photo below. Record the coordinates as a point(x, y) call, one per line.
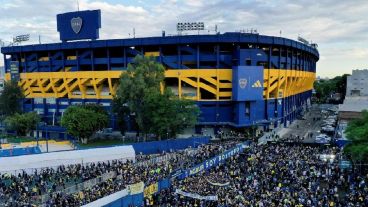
point(328, 128)
point(323, 139)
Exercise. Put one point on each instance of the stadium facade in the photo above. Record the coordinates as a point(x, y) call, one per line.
point(237, 79)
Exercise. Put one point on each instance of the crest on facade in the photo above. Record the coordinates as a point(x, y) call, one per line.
point(243, 83)
point(76, 24)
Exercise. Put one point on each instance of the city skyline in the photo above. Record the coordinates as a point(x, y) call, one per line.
point(338, 27)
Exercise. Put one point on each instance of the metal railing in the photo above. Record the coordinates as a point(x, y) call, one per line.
point(42, 200)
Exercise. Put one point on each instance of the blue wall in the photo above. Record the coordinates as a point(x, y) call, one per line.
point(88, 22)
point(19, 151)
point(167, 145)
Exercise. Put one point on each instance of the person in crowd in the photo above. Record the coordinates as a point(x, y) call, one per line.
point(26, 189)
point(274, 175)
point(278, 174)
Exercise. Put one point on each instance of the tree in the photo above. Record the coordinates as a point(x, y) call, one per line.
point(122, 112)
point(325, 88)
point(357, 133)
point(22, 123)
point(142, 74)
point(167, 115)
point(10, 98)
point(156, 109)
point(186, 114)
point(82, 121)
point(96, 108)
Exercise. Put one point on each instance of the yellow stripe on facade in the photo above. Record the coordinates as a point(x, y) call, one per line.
point(217, 82)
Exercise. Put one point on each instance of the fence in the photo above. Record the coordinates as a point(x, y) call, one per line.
point(30, 163)
point(72, 187)
point(168, 145)
point(79, 187)
point(127, 197)
point(41, 200)
point(158, 159)
point(19, 151)
point(145, 148)
point(128, 200)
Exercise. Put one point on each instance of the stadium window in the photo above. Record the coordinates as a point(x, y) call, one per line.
point(38, 100)
point(248, 62)
point(50, 101)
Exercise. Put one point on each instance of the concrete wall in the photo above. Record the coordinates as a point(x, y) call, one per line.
point(357, 83)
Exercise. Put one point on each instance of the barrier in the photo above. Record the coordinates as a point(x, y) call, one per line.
point(168, 145)
point(158, 159)
point(34, 143)
point(131, 196)
point(54, 159)
point(342, 142)
point(19, 151)
point(137, 199)
point(215, 161)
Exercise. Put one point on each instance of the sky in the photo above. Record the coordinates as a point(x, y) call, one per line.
point(339, 27)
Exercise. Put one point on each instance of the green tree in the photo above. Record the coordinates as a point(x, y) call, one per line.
point(185, 115)
point(142, 74)
point(325, 88)
point(10, 98)
point(122, 111)
point(156, 111)
point(82, 121)
point(97, 108)
point(22, 123)
point(166, 115)
point(357, 133)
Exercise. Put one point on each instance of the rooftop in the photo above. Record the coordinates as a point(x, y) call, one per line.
point(354, 104)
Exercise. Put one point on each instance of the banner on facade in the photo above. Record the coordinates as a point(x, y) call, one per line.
point(150, 190)
point(196, 196)
point(136, 188)
point(213, 162)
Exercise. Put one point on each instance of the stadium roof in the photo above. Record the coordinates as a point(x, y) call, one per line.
point(229, 37)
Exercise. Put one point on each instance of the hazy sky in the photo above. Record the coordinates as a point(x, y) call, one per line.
point(339, 27)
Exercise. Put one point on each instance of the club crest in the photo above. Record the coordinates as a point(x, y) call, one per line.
point(76, 24)
point(243, 83)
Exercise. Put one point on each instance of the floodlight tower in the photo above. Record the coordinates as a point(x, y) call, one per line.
point(21, 38)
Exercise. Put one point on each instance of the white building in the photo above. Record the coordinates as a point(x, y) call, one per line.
point(357, 83)
point(356, 98)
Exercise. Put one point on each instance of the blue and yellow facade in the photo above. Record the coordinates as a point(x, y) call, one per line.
point(237, 79)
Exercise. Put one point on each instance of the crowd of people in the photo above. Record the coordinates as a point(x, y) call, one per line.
point(26, 189)
point(273, 175)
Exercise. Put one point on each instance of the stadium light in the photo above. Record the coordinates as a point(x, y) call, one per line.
point(187, 26)
point(21, 38)
point(301, 39)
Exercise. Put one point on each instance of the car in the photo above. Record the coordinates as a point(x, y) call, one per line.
point(328, 128)
point(327, 125)
point(323, 139)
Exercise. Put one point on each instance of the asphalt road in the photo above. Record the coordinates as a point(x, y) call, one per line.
point(303, 128)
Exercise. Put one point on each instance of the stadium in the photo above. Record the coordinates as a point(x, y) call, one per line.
point(237, 79)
